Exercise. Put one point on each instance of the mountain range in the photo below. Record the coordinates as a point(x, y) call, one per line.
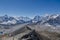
point(53, 19)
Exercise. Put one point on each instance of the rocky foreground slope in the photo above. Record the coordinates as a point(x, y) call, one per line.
point(32, 33)
point(41, 35)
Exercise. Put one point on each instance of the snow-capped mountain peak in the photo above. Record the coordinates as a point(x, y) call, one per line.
point(13, 20)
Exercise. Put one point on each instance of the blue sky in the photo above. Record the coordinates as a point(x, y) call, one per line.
point(29, 8)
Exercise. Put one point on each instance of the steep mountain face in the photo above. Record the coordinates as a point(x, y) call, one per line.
point(53, 20)
point(3, 18)
point(36, 19)
point(7, 20)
